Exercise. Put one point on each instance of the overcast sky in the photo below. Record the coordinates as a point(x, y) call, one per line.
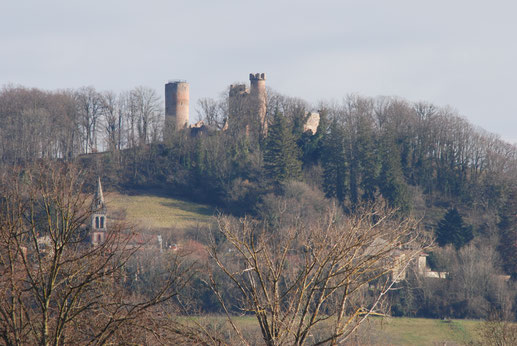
point(455, 52)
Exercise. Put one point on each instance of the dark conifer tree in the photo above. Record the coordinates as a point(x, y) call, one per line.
point(508, 237)
point(391, 179)
point(353, 176)
point(312, 144)
point(368, 159)
point(282, 155)
point(298, 119)
point(335, 175)
point(452, 230)
point(199, 159)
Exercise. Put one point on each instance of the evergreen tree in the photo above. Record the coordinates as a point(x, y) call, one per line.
point(312, 144)
point(452, 230)
point(391, 179)
point(508, 236)
point(199, 168)
point(334, 163)
point(282, 155)
point(353, 168)
point(298, 119)
point(367, 158)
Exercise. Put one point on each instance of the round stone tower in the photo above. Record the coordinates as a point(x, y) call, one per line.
point(259, 98)
point(177, 104)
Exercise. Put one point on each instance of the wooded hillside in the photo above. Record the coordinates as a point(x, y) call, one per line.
point(421, 161)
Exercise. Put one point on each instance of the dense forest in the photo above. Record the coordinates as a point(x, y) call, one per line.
point(420, 161)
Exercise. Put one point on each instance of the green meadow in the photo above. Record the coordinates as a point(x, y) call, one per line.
point(158, 211)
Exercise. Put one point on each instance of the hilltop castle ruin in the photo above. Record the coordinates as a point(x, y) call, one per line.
point(254, 100)
point(247, 107)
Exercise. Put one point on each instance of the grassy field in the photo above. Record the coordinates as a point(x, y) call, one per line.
point(378, 331)
point(421, 331)
point(152, 210)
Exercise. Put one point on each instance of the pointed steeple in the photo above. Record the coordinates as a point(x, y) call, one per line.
point(98, 216)
point(98, 197)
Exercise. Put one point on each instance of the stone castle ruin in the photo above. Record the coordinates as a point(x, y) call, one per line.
point(247, 107)
point(253, 100)
point(312, 123)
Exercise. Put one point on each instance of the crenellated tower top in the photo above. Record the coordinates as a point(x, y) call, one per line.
point(257, 76)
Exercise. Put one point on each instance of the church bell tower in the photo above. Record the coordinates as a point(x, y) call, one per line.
point(98, 228)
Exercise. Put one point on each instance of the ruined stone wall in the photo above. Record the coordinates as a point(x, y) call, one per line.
point(312, 123)
point(237, 100)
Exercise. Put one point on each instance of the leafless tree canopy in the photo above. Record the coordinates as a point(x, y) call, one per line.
point(63, 124)
point(54, 287)
point(295, 277)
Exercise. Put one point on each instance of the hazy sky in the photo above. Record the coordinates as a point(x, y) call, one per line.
point(455, 52)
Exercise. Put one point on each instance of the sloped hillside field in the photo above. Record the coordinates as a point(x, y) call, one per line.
point(154, 211)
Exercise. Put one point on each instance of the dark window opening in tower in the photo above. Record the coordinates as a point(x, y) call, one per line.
point(102, 221)
point(96, 222)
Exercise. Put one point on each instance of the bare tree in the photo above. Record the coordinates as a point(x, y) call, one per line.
point(498, 332)
point(296, 277)
point(212, 112)
point(474, 288)
point(111, 117)
point(146, 104)
point(55, 288)
point(89, 105)
point(36, 124)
